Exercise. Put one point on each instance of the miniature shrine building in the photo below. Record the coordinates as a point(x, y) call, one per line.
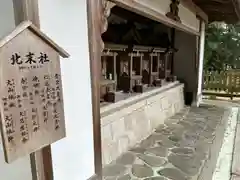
point(133, 64)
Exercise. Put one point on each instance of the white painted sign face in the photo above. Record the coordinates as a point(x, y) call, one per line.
point(31, 104)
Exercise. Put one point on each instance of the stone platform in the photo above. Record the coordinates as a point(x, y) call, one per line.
point(184, 148)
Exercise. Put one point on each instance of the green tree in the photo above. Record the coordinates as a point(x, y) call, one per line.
point(222, 47)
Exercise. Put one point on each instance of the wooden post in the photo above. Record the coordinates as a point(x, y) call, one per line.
point(97, 24)
point(130, 67)
point(158, 63)
point(115, 70)
point(166, 65)
point(150, 70)
point(173, 32)
point(41, 161)
point(200, 63)
point(141, 61)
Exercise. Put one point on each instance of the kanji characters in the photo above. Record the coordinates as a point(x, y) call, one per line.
point(24, 127)
point(30, 57)
point(16, 59)
point(43, 58)
point(24, 80)
point(10, 82)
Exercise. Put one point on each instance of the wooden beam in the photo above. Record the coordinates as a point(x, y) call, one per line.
point(41, 160)
point(220, 10)
point(195, 9)
point(236, 4)
point(141, 9)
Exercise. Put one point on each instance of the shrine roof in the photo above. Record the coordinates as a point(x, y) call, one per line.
point(28, 25)
point(220, 10)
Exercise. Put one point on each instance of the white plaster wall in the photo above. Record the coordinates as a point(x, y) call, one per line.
point(19, 169)
point(66, 23)
point(7, 21)
point(163, 6)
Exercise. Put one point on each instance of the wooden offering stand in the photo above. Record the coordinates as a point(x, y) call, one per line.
point(162, 66)
point(130, 79)
point(154, 67)
point(150, 65)
point(157, 67)
point(108, 76)
point(169, 60)
point(145, 69)
point(136, 72)
point(165, 67)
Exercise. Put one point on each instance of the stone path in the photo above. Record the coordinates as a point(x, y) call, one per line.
point(235, 168)
point(177, 150)
point(224, 162)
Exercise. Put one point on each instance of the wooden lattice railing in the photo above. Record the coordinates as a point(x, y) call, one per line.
point(225, 83)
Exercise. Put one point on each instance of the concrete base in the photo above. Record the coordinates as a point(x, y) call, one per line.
point(129, 121)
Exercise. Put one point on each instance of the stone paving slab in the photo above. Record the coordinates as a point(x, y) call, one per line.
point(177, 150)
point(236, 155)
point(224, 161)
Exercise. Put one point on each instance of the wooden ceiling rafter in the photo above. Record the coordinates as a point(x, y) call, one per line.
point(220, 10)
point(236, 4)
point(195, 9)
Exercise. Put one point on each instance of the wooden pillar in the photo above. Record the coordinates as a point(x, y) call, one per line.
point(26, 10)
point(200, 64)
point(150, 69)
point(172, 45)
point(41, 160)
point(130, 69)
point(158, 63)
point(166, 59)
point(141, 62)
point(97, 24)
point(115, 70)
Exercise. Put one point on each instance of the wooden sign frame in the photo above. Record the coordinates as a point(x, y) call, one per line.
point(31, 104)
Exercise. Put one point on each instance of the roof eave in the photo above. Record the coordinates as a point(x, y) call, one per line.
point(236, 4)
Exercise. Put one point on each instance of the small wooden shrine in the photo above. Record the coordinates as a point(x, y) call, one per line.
point(168, 63)
point(133, 70)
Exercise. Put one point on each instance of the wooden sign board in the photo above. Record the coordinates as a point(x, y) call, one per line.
point(31, 100)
